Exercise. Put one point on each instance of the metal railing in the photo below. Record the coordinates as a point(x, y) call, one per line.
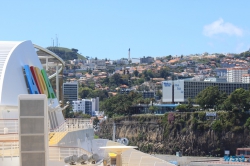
point(9, 149)
point(78, 124)
point(73, 124)
point(8, 126)
point(68, 126)
point(56, 153)
point(9, 130)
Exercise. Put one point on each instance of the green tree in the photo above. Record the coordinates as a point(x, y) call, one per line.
point(84, 92)
point(68, 112)
point(115, 79)
point(89, 71)
point(96, 122)
point(74, 50)
point(190, 104)
point(169, 57)
point(247, 124)
point(159, 94)
point(164, 73)
point(152, 109)
point(240, 99)
point(181, 108)
point(136, 73)
point(119, 104)
point(227, 105)
point(210, 97)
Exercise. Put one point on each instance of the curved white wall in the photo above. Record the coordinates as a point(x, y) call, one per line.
point(13, 56)
point(12, 81)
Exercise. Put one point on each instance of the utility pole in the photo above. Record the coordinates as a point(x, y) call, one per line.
point(172, 89)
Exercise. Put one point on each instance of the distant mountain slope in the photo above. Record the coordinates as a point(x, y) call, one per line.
point(65, 53)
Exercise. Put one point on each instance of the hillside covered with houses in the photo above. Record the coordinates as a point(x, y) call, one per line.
point(151, 71)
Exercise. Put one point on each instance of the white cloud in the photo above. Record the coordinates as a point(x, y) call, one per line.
point(219, 26)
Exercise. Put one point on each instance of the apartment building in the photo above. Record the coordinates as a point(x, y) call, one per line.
point(146, 60)
point(246, 78)
point(192, 88)
point(86, 106)
point(235, 74)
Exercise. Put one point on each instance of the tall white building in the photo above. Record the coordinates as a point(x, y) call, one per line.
point(70, 91)
point(235, 74)
point(86, 106)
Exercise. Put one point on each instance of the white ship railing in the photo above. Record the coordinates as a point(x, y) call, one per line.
point(9, 132)
point(73, 124)
point(56, 153)
point(9, 148)
point(8, 126)
point(78, 124)
point(69, 125)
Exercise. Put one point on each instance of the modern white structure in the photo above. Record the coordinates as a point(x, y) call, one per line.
point(173, 91)
point(70, 91)
point(86, 106)
point(235, 74)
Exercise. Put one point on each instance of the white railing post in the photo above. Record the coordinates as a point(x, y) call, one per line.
point(59, 154)
point(11, 151)
point(2, 150)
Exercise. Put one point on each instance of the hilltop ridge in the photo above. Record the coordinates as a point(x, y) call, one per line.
point(66, 53)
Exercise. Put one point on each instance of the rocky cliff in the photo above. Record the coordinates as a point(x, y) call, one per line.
point(191, 133)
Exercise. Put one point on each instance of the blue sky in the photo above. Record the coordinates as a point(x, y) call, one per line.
point(108, 28)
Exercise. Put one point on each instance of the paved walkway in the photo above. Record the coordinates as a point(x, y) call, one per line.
point(185, 160)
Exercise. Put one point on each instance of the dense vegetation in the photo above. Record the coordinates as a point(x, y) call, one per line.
point(209, 98)
point(120, 104)
point(213, 98)
point(65, 53)
point(86, 92)
point(192, 133)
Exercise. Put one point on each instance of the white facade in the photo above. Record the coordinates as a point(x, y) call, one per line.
point(98, 62)
point(86, 106)
point(235, 74)
point(170, 87)
point(246, 78)
point(135, 60)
